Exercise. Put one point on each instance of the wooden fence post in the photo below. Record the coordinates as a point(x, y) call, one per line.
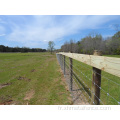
point(71, 74)
point(64, 64)
point(96, 82)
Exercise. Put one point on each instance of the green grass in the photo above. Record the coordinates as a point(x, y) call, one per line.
point(34, 79)
point(118, 56)
point(109, 82)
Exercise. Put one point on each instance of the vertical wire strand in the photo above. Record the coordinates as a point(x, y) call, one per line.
point(108, 93)
point(61, 62)
point(119, 94)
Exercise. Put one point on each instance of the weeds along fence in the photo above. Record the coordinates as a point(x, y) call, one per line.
point(96, 77)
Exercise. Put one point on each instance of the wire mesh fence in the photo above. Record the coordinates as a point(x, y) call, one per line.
point(81, 83)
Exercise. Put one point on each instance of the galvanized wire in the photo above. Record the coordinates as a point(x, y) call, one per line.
point(78, 92)
point(97, 73)
point(61, 62)
point(87, 87)
point(107, 93)
point(79, 84)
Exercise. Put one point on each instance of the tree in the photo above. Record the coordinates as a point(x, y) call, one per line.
point(70, 46)
point(91, 43)
point(86, 45)
point(114, 43)
point(51, 45)
point(18, 49)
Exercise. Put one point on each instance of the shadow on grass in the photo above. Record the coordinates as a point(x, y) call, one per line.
point(81, 83)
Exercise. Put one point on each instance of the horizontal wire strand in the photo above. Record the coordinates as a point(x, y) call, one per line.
point(89, 79)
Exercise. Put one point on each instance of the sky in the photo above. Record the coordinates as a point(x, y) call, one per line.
point(35, 31)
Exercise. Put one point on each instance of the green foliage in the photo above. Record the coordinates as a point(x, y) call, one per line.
point(92, 42)
point(51, 45)
point(18, 49)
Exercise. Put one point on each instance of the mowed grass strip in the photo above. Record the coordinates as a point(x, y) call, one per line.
point(31, 78)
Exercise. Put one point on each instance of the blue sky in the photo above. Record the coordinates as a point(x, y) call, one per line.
point(35, 31)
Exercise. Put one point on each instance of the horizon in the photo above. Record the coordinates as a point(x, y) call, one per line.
point(35, 31)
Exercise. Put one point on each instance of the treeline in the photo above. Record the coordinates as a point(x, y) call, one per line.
point(87, 45)
point(18, 49)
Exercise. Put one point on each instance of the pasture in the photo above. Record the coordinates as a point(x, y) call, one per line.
point(36, 79)
point(32, 79)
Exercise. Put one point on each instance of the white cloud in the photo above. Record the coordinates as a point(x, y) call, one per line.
point(45, 28)
point(2, 30)
point(2, 34)
point(1, 21)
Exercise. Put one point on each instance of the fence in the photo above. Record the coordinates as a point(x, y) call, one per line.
point(94, 78)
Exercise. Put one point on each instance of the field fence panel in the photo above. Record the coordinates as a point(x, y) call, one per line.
point(82, 83)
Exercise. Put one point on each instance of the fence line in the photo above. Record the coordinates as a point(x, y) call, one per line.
point(77, 87)
point(78, 78)
point(86, 86)
point(108, 64)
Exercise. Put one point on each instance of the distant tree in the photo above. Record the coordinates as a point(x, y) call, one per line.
point(70, 46)
point(94, 41)
point(114, 44)
point(51, 45)
point(91, 43)
point(18, 49)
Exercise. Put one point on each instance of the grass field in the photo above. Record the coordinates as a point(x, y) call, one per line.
point(35, 79)
point(110, 84)
point(31, 78)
